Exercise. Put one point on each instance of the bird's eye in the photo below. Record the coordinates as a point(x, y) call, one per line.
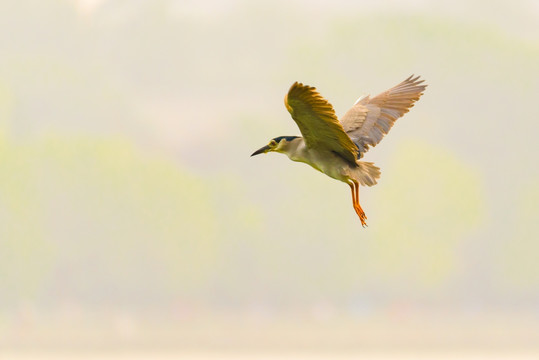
point(273, 143)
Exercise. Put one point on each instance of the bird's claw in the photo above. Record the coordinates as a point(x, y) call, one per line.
point(362, 216)
point(363, 223)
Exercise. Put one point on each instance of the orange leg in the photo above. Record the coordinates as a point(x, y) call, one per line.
point(354, 186)
point(358, 205)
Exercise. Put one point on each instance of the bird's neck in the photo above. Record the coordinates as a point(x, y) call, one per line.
point(296, 150)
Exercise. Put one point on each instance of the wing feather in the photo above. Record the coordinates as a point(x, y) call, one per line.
point(370, 119)
point(317, 121)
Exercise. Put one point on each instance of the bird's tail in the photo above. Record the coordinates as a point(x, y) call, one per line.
point(366, 173)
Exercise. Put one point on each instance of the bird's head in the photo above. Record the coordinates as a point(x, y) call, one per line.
point(278, 144)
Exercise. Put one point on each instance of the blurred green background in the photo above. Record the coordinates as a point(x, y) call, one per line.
point(132, 217)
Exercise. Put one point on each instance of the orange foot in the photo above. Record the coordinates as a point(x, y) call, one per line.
point(361, 214)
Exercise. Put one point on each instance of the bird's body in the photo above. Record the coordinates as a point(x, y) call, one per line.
point(334, 148)
point(329, 162)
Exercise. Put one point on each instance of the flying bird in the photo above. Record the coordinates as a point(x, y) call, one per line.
point(335, 148)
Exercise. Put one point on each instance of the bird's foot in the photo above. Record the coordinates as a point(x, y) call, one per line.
point(361, 214)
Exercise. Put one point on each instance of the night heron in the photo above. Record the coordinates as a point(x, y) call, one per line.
point(334, 147)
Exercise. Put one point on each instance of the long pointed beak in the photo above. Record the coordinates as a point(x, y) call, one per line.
point(262, 150)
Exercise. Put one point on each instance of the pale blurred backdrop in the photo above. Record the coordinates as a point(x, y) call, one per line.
point(133, 221)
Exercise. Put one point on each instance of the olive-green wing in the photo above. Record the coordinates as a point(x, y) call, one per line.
point(371, 118)
point(317, 121)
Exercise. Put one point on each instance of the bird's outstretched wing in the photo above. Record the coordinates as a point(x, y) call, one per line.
point(371, 118)
point(317, 121)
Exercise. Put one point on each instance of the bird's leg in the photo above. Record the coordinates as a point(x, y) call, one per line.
point(362, 216)
point(354, 186)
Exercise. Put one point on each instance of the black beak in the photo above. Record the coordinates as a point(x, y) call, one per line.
point(261, 150)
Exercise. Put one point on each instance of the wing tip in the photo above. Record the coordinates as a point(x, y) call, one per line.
point(413, 80)
point(295, 85)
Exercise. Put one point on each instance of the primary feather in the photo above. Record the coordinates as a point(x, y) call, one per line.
point(370, 119)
